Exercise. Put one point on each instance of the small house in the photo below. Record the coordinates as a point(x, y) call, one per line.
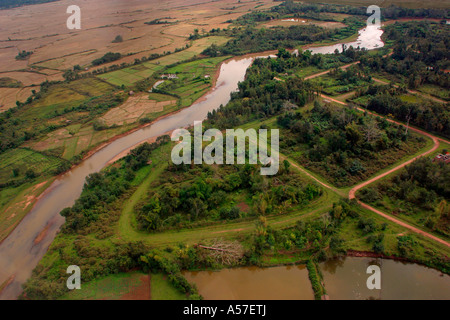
point(169, 76)
point(442, 158)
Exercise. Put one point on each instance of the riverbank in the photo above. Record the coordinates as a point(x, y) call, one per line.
point(95, 149)
point(68, 187)
point(99, 159)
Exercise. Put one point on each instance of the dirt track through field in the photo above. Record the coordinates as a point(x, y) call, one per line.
point(403, 224)
point(352, 193)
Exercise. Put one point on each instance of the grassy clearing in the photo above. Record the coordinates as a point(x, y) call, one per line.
point(194, 79)
point(159, 97)
point(126, 227)
point(436, 91)
point(333, 87)
point(15, 163)
point(308, 71)
point(15, 203)
point(357, 239)
point(74, 141)
point(414, 4)
point(7, 82)
point(65, 95)
point(161, 289)
point(113, 287)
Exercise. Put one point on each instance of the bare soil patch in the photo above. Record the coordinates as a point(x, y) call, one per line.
point(133, 109)
point(141, 292)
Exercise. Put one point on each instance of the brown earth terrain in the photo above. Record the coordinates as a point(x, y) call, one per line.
point(42, 29)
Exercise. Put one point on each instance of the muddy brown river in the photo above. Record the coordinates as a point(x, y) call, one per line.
point(19, 254)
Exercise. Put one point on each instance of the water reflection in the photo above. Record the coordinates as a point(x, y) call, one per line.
point(347, 279)
point(253, 283)
point(369, 38)
point(19, 254)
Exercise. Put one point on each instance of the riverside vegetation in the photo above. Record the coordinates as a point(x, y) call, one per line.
point(106, 233)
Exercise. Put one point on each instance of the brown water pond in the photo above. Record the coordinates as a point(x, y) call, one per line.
point(253, 283)
point(346, 279)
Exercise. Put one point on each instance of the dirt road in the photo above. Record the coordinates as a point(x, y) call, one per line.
point(405, 225)
point(352, 193)
point(427, 96)
point(328, 71)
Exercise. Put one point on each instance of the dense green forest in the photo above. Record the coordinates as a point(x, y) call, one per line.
point(420, 58)
point(108, 57)
point(319, 12)
point(120, 221)
point(387, 100)
point(249, 39)
point(185, 195)
point(261, 95)
point(343, 145)
point(420, 54)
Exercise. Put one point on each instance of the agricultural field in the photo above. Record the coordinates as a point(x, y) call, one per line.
point(56, 49)
point(131, 75)
point(75, 140)
point(435, 91)
point(15, 164)
point(123, 286)
point(417, 194)
point(294, 22)
point(194, 79)
point(142, 220)
point(66, 95)
point(138, 107)
point(9, 96)
point(335, 87)
point(16, 202)
point(414, 4)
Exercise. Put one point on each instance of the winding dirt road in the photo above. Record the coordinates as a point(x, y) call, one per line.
point(352, 193)
point(430, 97)
point(414, 92)
point(316, 75)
